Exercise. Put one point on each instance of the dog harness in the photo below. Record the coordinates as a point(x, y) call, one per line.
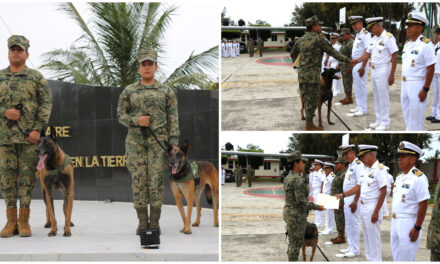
point(191, 175)
point(61, 168)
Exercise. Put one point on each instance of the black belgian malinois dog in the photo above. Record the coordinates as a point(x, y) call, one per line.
point(55, 172)
point(326, 93)
point(208, 176)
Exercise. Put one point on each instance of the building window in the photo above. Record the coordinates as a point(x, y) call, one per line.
point(286, 39)
point(230, 165)
point(243, 38)
point(266, 165)
point(274, 37)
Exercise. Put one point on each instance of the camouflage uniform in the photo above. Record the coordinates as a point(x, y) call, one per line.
point(311, 48)
point(250, 173)
point(238, 173)
point(347, 78)
point(337, 184)
point(296, 210)
point(17, 157)
point(146, 160)
point(251, 47)
point(433, 241)
point(260, 47)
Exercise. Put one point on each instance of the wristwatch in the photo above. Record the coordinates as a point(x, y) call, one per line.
point(343, 194)
point(418, 228)
point(426, 89)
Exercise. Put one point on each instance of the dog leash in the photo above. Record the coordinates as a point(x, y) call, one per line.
point(148, 129)
point(322, 253)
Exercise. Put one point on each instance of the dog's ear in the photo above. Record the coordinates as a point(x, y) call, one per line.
point(185, 147)
point(53, 134)
point(169, 147)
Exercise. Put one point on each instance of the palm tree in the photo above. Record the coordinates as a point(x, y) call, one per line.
point(105, 54)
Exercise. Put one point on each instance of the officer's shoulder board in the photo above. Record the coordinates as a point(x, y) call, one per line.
point(366, 31)
point(380, 166)
point(407, 41)
point(358, 162)
point(426, 40)
point(400, 173)
point(388, 34)
point(417, 172)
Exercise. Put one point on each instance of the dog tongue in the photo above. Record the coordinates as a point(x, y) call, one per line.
point(40, 165)
point(173, 169)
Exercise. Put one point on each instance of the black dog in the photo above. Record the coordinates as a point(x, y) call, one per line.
point(55, 172)
point(326, 93)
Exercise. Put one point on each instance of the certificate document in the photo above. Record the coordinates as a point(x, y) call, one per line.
point(329, 202)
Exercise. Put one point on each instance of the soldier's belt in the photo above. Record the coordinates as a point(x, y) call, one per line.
point(363, 201)
point(404, 215)
point(378, 66)
point(413, 78)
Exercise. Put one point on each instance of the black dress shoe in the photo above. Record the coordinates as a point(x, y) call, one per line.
point(430, 118)
point(435, 121)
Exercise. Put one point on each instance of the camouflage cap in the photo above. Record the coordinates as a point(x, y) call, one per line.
point(313, 21)
point(345, 31)
point(296, 156)
point(20, 41)
point(147, 54)
point(340, 160)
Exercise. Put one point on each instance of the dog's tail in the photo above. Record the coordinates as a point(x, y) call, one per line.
point(208, 193)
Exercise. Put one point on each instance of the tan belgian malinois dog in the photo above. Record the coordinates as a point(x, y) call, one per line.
point(55, 172)
point(183, 186)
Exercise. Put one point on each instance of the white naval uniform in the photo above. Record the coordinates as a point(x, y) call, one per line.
point(223, 50)
point(381, 48)
point(333, 63)
point(385, 203)
point(324, 57)
point(233, 50)
point(315, 187)
point(237, 49)
point(228, 49)
point(329, 213)
point(371, 181)
point(352, 227)
point(435, 85)
point(223, 176)
point(409, 190)
point(416, 56)
point(360, 45)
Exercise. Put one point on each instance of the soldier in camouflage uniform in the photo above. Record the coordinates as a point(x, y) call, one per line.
point(250, 173)
point(347, 76)
point(337, 185)
point(297, 205)
point(143, 104)
point(310, 48)
point(433, 241)
point(19, 132)
point(238, 173)
point(251, 47)
point(260, 46)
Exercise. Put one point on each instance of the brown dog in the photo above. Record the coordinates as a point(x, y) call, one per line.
point(311, 238)
point(184, 186)
point(55, 172)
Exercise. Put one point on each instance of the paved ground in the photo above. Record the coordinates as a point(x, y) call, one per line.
point(106, 232)
point(256, 96)
point(253, 229)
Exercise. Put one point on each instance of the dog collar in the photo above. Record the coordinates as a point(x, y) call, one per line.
point(191, 175)
point(61, 168)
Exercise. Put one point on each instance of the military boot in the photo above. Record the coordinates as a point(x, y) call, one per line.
point(349, 99)
point(336, 238)
point(311, 127)
point(24, 229)
point(154, 217)
point(343, 101)
point(10, 228)
point(340, 239)
point(142, 214)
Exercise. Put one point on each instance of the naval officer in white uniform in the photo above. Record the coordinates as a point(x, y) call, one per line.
point(373, 188)
point(410, 201)
point(326, 189)
point(351, 203)
point(418, 65)
point(316, 187)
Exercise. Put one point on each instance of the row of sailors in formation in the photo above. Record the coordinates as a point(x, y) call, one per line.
point(230, 49)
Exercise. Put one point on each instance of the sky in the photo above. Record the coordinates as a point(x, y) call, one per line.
point(192, 29)
point(274, 142)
